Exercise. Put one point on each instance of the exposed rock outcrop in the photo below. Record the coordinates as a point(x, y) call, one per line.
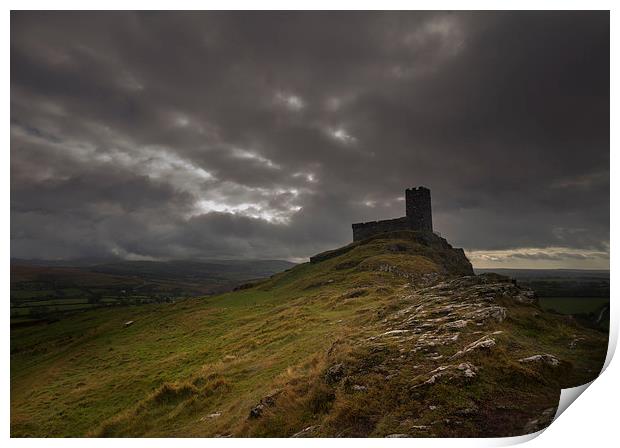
point(452, 260)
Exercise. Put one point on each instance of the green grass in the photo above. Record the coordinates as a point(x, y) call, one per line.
point(89, 374)
point(21, 295)
point(573, 305)
point(65, 373)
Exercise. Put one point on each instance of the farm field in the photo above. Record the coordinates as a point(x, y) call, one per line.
point(573, 305)
point(40, 291)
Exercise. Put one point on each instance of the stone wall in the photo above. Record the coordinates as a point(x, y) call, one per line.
point(419, 216)
point(365, 230)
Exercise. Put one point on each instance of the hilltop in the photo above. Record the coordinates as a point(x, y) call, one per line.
point(392, 335)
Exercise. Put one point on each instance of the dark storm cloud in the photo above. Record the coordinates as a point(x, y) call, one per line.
point(267, 134)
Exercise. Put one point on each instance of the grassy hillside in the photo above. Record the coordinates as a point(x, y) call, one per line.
point(385, 337)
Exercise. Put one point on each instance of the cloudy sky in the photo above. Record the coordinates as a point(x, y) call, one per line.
point(265, 135)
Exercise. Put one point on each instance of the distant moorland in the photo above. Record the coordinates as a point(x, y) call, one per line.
point(43, 288)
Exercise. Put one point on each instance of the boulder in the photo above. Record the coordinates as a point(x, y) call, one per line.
point(310, 431)
point(545, 358)
point(268, 401)
point(334, 374)
point(257, 410)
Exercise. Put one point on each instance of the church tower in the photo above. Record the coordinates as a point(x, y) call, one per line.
point(418, 207)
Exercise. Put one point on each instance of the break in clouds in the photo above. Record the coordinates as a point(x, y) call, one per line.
point(265, 135)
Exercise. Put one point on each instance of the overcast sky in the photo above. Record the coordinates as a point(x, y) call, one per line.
point(265, 135)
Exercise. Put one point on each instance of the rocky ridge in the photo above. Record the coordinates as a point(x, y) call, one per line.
point(458, 355)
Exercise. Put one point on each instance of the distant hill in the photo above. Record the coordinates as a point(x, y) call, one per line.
point(170, 266)
point(225, 269)
point(40, 288)
point(548, 273)
point(393, 336)
point(560, 282)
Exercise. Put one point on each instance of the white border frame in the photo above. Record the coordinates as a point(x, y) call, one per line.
point(593, 420)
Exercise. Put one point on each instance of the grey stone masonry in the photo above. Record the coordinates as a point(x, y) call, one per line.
point(418, 216)
point(418, 208)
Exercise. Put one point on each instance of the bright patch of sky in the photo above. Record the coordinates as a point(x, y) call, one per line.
point(539, 258)
point(254, 210)
point(245, 154)
point(341, 135)
point(290, 101)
